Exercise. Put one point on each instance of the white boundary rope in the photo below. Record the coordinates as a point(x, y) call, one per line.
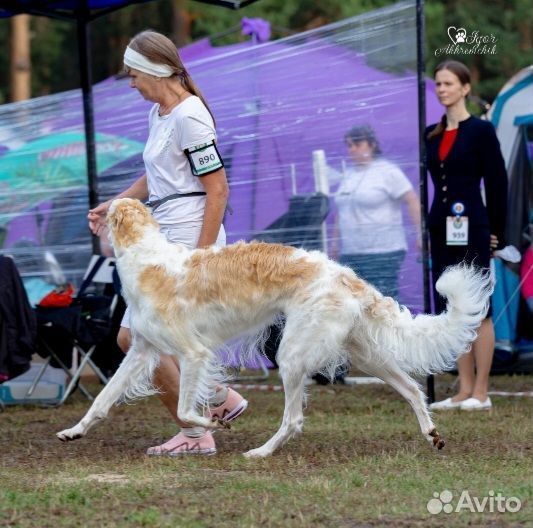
point(527, 394)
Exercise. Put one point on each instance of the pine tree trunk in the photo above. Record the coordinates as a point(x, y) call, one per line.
point(20, 58)
point(181, 23)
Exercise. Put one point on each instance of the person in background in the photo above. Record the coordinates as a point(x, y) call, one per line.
point(526, 275)
point(462, 152)
point(186, 186)
point(369, 203)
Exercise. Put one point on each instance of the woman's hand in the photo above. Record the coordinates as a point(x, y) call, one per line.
point(97, 218)
point(493, 242)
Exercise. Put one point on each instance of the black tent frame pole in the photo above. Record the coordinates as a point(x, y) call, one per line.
point(83, 34)
point(420, 61)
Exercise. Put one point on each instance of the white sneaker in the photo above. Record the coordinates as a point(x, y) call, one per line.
point(445, 405)
point(473, 404)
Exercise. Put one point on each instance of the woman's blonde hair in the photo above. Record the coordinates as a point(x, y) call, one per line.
point(161, 50)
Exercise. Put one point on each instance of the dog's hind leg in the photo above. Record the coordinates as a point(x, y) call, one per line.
point(311, 340)
point(408, 388)
point(132, 379)
point(293, 418)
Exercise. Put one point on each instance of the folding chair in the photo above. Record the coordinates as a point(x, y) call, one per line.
point(68, 337)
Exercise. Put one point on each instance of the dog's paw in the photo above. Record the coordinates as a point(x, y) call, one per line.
point(71, 434)
point(436, 439)
point(198, 421)
point(217, 423)
point(256, 453)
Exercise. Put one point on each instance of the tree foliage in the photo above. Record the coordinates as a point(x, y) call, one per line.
point(509, 21)
point(55, 59)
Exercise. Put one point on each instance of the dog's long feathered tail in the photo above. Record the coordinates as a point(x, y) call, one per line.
point(428, 344)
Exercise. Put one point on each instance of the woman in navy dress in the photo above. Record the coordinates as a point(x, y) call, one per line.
point(462, 152)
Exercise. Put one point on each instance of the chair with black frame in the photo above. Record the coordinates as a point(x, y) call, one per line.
point(69, 337)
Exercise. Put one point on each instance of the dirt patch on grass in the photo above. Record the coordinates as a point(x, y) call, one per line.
point(106, 478)
point(361, 461)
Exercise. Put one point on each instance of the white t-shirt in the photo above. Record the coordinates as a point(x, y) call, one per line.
point(369, 209)
point(189, 124)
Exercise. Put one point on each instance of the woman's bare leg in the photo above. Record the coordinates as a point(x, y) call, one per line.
point(483, 350)
point(465, 366)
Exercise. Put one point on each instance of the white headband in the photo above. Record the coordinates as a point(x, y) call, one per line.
point(135, 60)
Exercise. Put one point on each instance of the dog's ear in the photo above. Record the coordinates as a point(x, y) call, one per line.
point(115, 217)
point(126, 220)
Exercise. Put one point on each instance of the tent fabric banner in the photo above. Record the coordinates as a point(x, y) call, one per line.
point(282, 110)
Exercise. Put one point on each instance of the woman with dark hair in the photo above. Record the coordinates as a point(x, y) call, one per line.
point(186, 186)
point(463, 151)
point(369, 203)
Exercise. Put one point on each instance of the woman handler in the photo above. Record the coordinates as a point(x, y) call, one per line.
point(186, 186)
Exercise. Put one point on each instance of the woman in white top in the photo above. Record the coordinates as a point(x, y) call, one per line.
point(186, 185)
point(369, 203)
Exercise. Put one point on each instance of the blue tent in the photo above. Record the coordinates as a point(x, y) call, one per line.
point(512, 116)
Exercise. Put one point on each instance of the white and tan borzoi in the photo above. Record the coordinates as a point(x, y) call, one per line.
point(189, 302)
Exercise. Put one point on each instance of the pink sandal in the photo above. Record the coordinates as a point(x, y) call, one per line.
point(180, 444)
point(183, 445)
point(231, 409)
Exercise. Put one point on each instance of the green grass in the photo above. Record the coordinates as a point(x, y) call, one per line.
point(361, 461)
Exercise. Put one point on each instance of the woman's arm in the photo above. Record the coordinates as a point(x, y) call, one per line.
point(96, 216)
point(216, 188)
point(138, 189)
point(413, 208)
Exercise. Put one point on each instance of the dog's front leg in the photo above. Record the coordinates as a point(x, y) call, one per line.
point(194, 388)
point(133, 375)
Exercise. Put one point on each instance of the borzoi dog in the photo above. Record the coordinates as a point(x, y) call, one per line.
point(189, 302)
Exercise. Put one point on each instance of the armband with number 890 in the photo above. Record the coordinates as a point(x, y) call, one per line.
point(204, 159)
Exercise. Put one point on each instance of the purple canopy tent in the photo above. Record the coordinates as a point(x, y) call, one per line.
point(276, 103)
